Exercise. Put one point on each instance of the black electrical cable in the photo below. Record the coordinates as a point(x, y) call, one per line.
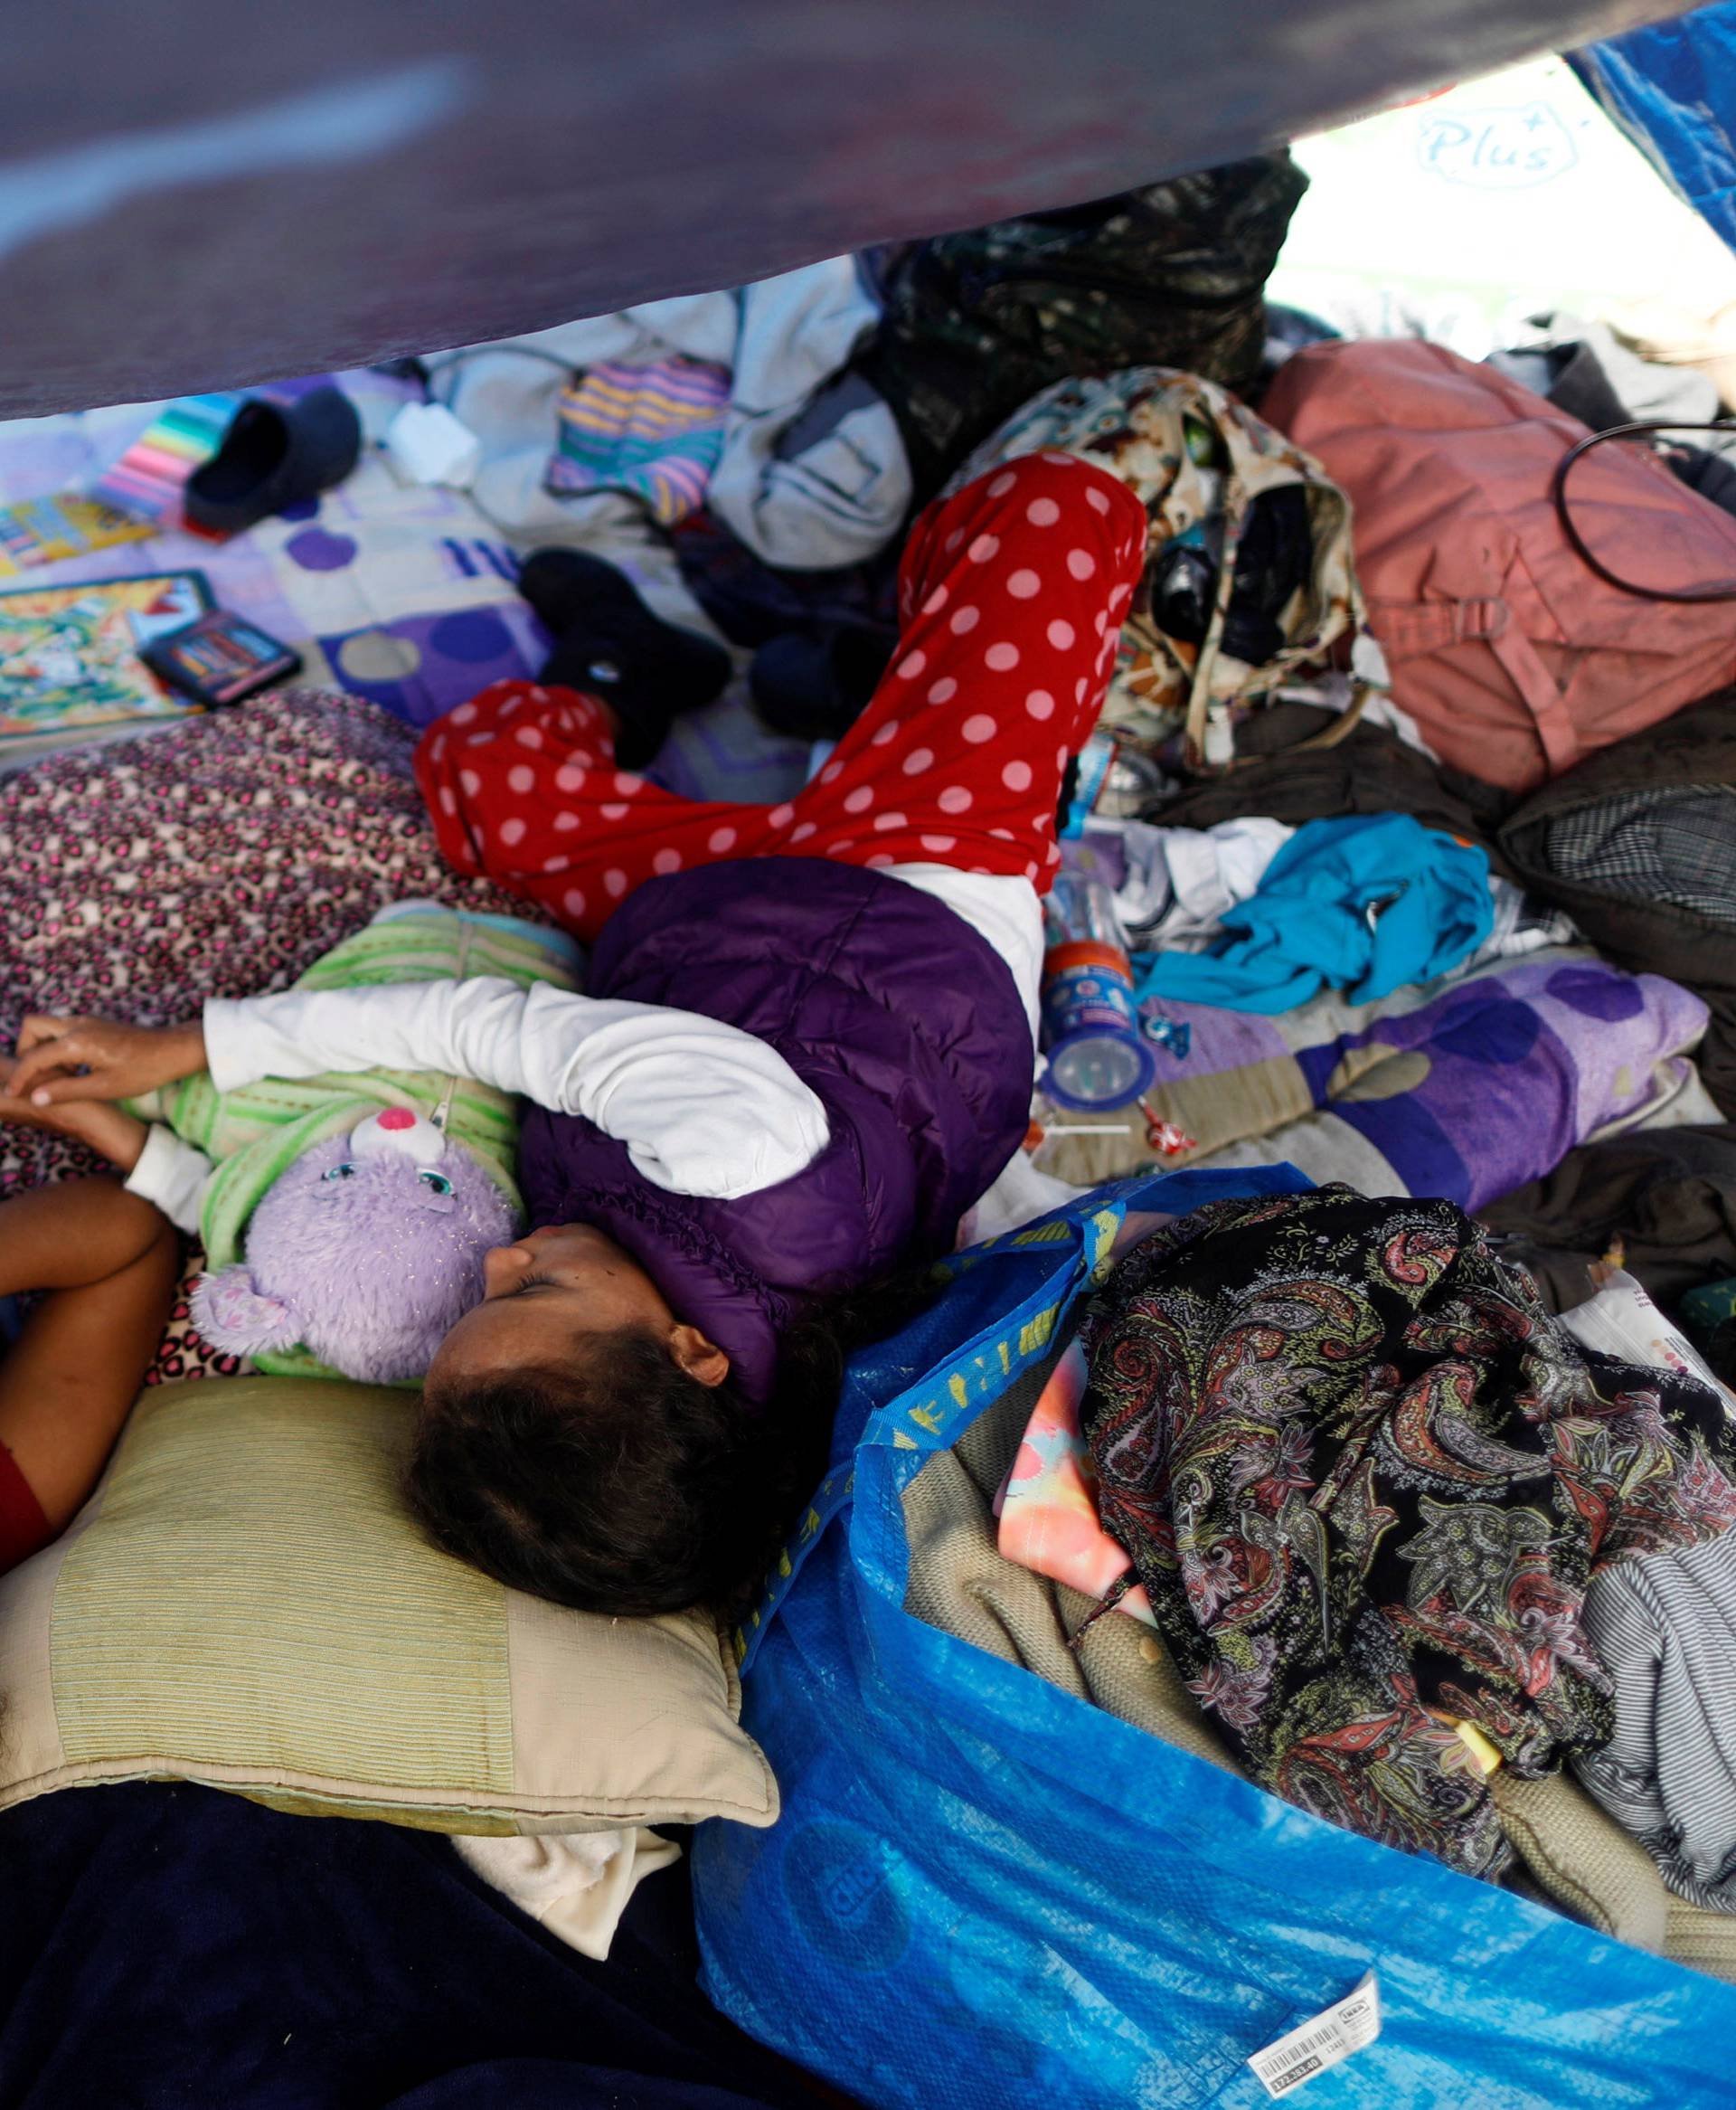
point(1558, 494)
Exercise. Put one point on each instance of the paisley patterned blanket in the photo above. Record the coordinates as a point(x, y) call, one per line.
point(1365, 1479)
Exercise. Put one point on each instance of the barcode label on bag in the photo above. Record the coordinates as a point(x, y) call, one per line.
point(1317, 2045)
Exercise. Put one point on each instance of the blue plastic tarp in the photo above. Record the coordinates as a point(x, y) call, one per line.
point(1672, 89)
point(984, 1894)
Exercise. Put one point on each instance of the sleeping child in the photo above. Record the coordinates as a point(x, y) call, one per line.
point(807, 1049)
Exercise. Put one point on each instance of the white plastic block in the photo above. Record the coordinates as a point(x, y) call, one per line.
point(429, 445)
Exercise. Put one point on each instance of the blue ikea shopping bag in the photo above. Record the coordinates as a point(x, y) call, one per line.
point(984, 1894)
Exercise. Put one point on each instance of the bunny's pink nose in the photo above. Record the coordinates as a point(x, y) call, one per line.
point(397, 1117)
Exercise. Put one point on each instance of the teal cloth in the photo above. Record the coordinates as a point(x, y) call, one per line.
point(1366, 904)
point(1704, 1310)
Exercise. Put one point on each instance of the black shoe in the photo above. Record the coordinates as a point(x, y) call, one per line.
point(609, 644)
point(814, 685)
point(274, 455)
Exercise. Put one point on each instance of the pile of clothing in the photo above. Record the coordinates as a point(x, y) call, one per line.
point(1433, 885)
point(1423, 1481)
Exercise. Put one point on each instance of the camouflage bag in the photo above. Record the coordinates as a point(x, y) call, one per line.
point(1249, 590)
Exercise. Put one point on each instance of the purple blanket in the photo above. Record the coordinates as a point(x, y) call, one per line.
point(1464, 1090)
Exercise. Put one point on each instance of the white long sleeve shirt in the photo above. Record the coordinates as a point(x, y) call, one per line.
point(174, 1174)
point(704, 1108)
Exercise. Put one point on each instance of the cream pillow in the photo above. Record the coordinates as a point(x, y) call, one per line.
point(244, 1602)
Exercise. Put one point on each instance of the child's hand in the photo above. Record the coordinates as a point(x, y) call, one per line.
point(66, 1059)
point(110, 1131)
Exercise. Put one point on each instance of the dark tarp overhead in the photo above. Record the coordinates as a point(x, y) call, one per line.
point(195, 195)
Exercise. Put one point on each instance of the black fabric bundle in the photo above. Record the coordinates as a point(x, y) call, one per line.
point(162, 1946)
point(1365, 1479)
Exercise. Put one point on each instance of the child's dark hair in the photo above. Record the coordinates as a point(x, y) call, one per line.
point(618, 1483)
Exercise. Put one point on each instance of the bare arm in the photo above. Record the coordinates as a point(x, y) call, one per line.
point(110, 1131)
point(158, 1165)
point(108, 1261)
point(62, 1060)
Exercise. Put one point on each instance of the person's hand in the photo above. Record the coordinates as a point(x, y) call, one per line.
point(66, 1059)
point(110, 1131)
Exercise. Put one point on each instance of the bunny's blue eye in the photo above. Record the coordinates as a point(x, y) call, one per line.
point(437, 1180)
point(345, 1171)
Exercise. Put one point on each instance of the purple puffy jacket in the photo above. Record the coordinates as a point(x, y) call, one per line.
point(897, 1014)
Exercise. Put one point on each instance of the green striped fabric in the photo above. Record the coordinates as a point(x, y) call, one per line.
point(256, 1133)
point(253, 1569)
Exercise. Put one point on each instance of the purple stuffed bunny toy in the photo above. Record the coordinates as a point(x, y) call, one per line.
point(365, 1252)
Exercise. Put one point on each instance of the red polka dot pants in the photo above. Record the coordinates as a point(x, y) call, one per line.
point(1011, 595)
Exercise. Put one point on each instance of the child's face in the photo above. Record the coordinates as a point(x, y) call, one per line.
point(544, 1296)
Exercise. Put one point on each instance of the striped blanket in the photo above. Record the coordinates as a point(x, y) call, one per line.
point(656, 432)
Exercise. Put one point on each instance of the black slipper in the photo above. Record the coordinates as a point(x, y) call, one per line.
point(274, 455)
point(563, 586)
point(610, 644)
point(814, 685)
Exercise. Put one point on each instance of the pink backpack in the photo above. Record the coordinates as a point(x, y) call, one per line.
point(1513, 657)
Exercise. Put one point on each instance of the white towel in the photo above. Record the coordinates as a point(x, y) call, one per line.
point(577, 1884)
